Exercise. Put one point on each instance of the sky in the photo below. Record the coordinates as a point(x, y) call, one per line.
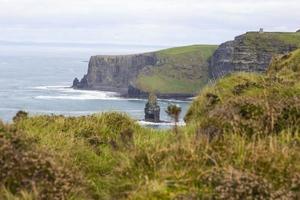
point(143, 22)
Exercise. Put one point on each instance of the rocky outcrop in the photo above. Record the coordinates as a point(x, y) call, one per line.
point(152, 109)
point(252, 51)
point(114, 73)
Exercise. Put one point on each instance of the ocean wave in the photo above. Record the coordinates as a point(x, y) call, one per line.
point(142, 122)
point(78, 97)
point(66, 92)
point(51, 87)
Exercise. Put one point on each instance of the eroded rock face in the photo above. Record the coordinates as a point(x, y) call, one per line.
point(114, 73)
point(152, 109)
point(248, 52)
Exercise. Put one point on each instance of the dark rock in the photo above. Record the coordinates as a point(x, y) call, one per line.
point(76, 82)
point(298, 31)
point(115, 73)
point(152, 109)
point(82, 84)
point(136, 93)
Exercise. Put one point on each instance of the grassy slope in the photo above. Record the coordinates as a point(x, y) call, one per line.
point(285, 63)
point(269, 41)
point(118, 159)
point(238, 100)
point(184, 70)
point(160, 165)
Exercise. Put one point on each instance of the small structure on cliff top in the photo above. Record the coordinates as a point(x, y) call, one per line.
point(152, 109)
point(261, 30)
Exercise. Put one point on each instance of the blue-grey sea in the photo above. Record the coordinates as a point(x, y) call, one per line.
point(36, 77)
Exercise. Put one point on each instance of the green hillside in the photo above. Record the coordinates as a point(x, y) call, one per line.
point(181, 70)
point(286, 64)
point(270, 40)
point(241, 141)
point(252, 103)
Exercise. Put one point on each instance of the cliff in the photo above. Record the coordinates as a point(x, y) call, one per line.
point(114, 73)
point(252, 51)
point(176, 72)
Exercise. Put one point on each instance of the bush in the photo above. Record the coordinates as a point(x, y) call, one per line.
point(25, 168)
point(232, 184)
point(20, 115)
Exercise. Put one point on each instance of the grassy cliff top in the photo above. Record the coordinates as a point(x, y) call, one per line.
point(179, 70)
point(177, 51)
point(271, 40)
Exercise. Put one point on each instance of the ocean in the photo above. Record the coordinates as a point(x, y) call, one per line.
point(36, 78)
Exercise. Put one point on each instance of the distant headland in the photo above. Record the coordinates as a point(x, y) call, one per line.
point(182, 72)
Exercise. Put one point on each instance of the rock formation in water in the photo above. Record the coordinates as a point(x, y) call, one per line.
point(114, 73)
point(152, 109)
point(252, 52)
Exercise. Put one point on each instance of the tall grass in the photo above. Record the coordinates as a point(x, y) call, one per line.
point(154, 164)
point(242, 141)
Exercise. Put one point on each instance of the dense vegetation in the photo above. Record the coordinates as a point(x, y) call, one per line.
point(241, 141)
point(182, 70)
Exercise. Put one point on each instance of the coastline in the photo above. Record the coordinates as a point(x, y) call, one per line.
point(140, 95)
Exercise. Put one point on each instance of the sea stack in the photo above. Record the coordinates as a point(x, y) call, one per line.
point(152, 109)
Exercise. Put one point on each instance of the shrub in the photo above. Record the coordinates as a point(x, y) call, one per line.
point(25, 168)
point(20, 114)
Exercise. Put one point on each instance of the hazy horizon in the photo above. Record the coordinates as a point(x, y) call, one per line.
point(141, 22)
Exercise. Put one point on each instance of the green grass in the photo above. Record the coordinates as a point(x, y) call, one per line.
point(289, 62)
point(270, 41)
point(159, 83)
point(241, 141)
point(180, 70)
point(155, 164)
point(206, 50)
point(251, 104)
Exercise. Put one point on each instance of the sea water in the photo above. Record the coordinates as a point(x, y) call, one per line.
point(36, 78)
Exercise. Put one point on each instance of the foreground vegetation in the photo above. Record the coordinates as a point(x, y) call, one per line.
point(95, 158)
point(241, 141)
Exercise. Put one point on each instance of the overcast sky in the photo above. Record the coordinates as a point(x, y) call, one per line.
point(157, 22)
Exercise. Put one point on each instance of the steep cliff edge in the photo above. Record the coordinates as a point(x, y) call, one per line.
point(252, 51)
point(114, 73)
point(175, 72)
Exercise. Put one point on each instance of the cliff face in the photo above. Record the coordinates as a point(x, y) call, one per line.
point(251, 52)
point(176, 72)
point(114, 73)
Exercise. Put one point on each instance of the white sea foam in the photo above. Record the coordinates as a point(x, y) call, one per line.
point(141, 122)
point(68, 93)
point(52, 87)
point(65, 92)
point(77, 97)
